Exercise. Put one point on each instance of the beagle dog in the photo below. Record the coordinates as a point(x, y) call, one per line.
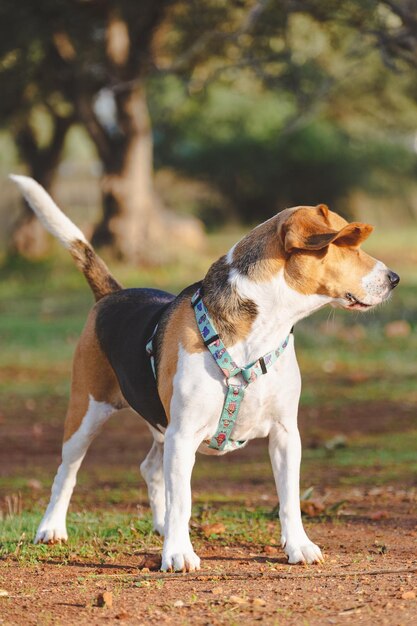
point(295, 263)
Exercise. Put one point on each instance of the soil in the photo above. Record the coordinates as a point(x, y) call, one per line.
point(369, 575)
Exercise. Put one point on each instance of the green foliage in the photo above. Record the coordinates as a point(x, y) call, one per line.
point(241, 143)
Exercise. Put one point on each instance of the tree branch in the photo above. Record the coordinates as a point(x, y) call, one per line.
point(199, 46)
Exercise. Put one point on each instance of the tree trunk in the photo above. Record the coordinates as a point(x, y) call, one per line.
point(29, 238)
point(135, 225)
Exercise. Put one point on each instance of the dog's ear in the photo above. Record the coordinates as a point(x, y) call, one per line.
point(308, 230)
point(352, 235)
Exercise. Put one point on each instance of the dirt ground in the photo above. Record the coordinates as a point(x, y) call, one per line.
point(369, 575)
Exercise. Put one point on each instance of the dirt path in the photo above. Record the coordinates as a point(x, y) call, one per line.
point(369, 577)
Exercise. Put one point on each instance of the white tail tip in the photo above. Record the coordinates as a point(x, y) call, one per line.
point(47, 211)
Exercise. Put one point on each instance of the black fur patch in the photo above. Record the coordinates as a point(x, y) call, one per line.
point(125, 321)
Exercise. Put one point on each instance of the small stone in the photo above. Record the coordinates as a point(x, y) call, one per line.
point(217, 591)
point(3, 593)
point(105, 599)
point(258, 602)
point(178, 604)
point(271, 550)
point(408, 595)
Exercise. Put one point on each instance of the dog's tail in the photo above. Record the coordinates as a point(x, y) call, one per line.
point(93, 267)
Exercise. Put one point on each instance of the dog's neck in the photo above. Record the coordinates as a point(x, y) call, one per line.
point(248, 298)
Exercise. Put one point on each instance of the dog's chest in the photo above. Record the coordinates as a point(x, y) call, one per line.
point(200, 391)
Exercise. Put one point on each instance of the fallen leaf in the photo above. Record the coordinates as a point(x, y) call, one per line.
point(217, 590)
point(237, 600)
point(105, 599)
point(150, 562)
point(271, 550)
point(312, 508)
point(258, 602)
point(3, 593)
point(213, 529)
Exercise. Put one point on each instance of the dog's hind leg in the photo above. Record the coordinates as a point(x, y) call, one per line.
point(152, 470)
point(95, 396)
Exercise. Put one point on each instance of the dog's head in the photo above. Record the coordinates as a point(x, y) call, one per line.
point(323, 256)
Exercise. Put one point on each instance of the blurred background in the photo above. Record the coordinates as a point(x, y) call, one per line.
point(167, 129)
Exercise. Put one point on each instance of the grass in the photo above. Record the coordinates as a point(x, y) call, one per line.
point(346, 361)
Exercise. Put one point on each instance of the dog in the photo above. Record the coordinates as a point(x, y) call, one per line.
point(295, 263)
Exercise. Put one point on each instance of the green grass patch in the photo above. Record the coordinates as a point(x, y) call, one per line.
point(93, 535)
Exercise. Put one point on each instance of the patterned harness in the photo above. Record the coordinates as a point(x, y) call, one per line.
point(235, 390)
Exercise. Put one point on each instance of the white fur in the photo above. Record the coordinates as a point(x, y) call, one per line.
point(229, 255)
point(53, 525)
point(279, 308)
point(376, 285)
point(47, 211)
point(153, 473)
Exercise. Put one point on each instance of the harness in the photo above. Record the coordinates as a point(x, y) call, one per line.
point(235, 389)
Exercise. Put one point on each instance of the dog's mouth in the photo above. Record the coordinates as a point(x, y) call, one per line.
point(355, 303)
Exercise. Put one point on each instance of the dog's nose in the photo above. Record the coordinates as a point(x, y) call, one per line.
point(393, 278)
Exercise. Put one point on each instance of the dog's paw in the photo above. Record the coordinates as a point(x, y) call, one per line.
point(51, 534)
point(186, 561)
point(303, 552)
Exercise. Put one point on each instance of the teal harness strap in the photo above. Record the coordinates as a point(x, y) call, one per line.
point(221, 440)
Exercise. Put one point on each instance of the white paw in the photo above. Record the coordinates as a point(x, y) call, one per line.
point(184, 561)
point(303, 552)
point(159, 528)
point(51, 533)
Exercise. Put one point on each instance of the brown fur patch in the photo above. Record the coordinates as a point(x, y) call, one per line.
point(232, 315)
point(259, 255)
point(91, 375)
point(94, 269)
point(179, 327)
point(332, 270)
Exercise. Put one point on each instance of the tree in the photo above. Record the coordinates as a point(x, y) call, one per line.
point(74, 56)
point(26, 93)
point(98, 58)
point(297, 113)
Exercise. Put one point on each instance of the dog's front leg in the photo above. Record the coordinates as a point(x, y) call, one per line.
point(285, 453)
point(179, 457)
